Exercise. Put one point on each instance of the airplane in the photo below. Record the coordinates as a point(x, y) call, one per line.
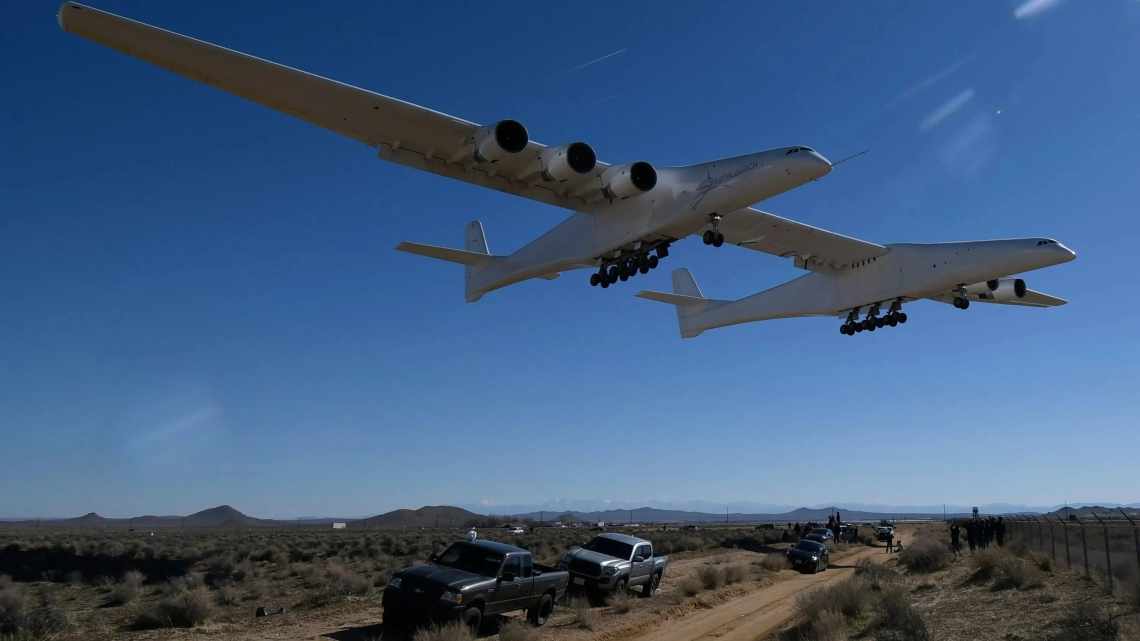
point(891, 275)
point(625, 216)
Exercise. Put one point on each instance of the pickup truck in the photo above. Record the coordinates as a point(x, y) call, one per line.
point(612, 562)
point(471, 581)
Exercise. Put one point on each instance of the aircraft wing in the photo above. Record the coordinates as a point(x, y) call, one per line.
point(400, 131)
point(812, 248)
point(1032, 298)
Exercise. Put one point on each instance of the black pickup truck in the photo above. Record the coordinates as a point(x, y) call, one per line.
point(471, 581)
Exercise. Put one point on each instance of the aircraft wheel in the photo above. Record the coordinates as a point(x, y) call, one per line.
point(880, 322)
point(595, 280)
point(662, 251)
point(613, 274)
point(870, 323)
point(902, 317)
point(708, 237)
point(653, 262)
point(605, 283)
point(893, 320)
point(843, 329)
point(718, 240)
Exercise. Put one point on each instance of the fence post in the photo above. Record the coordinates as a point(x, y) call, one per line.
point(1084, 545)
point(1107, 553)
point(1135, 539)
point(1068, 548)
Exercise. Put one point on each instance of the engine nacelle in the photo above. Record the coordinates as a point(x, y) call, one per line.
point(624, 181)
point(1006, 288)
point(504, 138)
point(568, 161)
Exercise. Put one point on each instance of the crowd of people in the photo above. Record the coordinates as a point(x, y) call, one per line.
point(980, 533)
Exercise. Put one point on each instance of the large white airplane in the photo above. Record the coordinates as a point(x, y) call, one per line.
point(954, 273)
point(625, 215)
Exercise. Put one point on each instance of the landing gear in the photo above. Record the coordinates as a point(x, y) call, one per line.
point(894, 317)
point(961, 303)
point(630, 264)
point(712, 236)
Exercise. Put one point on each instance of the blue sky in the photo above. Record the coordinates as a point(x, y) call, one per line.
point(202, 304)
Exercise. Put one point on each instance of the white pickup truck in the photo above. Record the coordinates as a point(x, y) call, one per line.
point(613, 562)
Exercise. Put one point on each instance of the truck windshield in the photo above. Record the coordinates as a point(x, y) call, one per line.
point(471, 558)
point(610, 547)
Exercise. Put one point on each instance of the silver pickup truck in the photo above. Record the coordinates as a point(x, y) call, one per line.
point(612, 562)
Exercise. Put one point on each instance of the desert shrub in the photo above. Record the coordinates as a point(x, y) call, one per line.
point(711, 576)
point(128, 589)
point(1044, 563)
point(243, 570)
point(1088, 621)
point(985, 564)
point(584, 616)
point(774, 562)
point(690, 586)
point(876, 575)
point(454, 631)
point(621, 603)
point(735, 573)
point(897, 619)
point(343, 581)
point(518, 630)
point(849, 597)
point(228, 595)
point(181, 608)
point(926, 555)
point(1017, 573)
point(829, 625)
point(13, 608)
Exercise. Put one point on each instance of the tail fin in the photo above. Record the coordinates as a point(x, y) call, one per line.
point(688, 299)
point(475, 256)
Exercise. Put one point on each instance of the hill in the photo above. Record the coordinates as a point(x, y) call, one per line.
point(427, 516)
point(654, 515)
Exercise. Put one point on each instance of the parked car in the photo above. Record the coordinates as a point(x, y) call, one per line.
point(809, 555)
point(884, 532)
point(470, 581)
point(612, 562)
point(518, 530)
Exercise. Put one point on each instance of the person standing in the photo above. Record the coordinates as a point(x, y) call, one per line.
point(472, 534)
point(955, 539)
point(890, 540)
point(999, 530)
point(972, 535)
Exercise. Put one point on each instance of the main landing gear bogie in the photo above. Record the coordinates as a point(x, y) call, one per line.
point(873, 321)
point(628, 266)
point(712, 236)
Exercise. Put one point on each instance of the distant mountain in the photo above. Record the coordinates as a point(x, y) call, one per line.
point(1091, 511)
point(654, 515)
point(427, 516)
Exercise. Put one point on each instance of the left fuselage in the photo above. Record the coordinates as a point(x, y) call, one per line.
point(907, 271)
point(682, 202)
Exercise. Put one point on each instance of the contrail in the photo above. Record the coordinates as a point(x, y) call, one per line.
point(597, 60)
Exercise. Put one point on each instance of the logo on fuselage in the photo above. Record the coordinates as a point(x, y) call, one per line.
point(712, 182)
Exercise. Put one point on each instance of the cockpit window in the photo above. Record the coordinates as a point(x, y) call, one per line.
point(796, 149)
point(1046, 242)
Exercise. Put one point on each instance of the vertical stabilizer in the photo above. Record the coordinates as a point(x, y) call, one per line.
point(476, 242)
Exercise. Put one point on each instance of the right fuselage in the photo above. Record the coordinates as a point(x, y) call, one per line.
point(683, 201)
point(907, 271)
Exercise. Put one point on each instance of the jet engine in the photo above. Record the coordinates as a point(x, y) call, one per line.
point(568, 161)
point(624, 181)
point(1006, 288)
point(495, 142)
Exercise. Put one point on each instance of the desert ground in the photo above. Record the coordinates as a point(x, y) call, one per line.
point(725, 583)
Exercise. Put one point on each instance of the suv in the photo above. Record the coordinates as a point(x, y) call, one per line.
point(470, 581)
point(612, 562)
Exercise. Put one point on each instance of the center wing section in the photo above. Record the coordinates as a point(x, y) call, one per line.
point(812, 248)
point(401, 132)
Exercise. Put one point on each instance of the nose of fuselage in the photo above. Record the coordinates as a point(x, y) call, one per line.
point(820, 166)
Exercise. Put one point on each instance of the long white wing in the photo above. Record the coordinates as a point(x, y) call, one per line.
point(1032, 298)
point(813, 248)
point(400, 131)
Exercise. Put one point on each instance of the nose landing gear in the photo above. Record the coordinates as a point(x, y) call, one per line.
point(713, 236)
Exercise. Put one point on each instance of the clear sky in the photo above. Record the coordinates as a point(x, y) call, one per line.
point(201, 303)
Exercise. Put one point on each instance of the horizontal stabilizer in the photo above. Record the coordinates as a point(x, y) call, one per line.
point(461, 256)
point(672, 299)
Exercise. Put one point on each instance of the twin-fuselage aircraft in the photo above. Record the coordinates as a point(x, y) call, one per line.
point(625, 216)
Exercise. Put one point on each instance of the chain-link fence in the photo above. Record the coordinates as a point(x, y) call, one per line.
point(1103, 545)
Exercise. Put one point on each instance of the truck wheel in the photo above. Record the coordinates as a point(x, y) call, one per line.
point(473, 618)
point(620, 586)
point(539, 614)
point(651, 585)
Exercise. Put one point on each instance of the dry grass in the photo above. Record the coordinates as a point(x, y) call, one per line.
point(774, 562)
point(828, 625)
point(585, 617)
point(621, 603)
point(454, 631)
point(20, 620)
point(897, 619)
point(1017, 573)
point(1088, 621)
point(876, 575)
point(849, 597)
point(518, 630)
point(735, 573)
